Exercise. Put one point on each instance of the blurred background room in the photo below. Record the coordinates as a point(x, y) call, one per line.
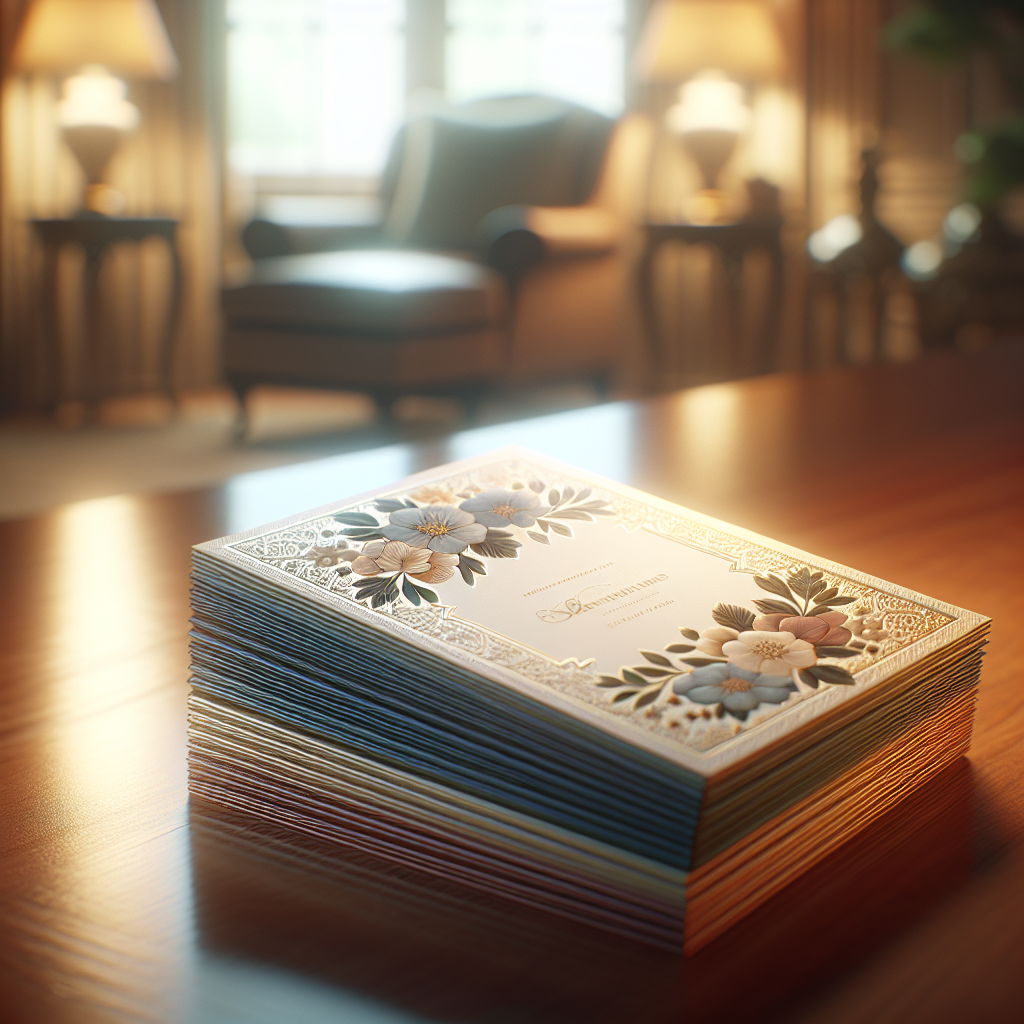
point(241, 233)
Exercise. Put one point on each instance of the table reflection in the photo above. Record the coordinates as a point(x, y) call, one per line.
point(397, 941)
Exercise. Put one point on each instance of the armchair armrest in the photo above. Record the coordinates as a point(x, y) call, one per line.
point(294, 225)
point(515, 238)
point(263, 238)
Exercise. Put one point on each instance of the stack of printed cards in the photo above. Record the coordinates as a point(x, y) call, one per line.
point(554, 689)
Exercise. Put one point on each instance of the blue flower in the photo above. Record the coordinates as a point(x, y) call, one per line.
point(438, 527)
point(737, 689)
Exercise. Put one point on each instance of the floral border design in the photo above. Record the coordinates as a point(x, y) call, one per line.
point(427, 537)
point(308, 551)
point(749, 660)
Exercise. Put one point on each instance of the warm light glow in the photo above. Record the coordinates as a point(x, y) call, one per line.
point(115, 750)
point(96, 97)
point(921, 261)
point(681, 37)
point(709, 100)
point(838, 234)
point(961, 222)
point(706, 430)
point(126, 36)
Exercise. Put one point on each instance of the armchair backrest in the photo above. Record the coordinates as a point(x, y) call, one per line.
point(449, 169)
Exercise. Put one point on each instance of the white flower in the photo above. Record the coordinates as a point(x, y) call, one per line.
point(711, 640)
point(772, 654)
point(438, 527)
point(327, 557)
point(503, 507)
point(867, 625)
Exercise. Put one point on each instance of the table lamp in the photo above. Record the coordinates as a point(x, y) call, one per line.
point(94, 42)
point(716, 49)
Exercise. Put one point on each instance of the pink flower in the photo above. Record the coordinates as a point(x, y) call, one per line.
point(394, 557)
point(821, 630)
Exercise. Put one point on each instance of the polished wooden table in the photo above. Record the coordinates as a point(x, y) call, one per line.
point(112, 907)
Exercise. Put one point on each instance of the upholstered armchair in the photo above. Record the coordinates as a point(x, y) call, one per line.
point(501, 255)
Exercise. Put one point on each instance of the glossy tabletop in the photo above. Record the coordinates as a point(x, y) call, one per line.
point(116, 905)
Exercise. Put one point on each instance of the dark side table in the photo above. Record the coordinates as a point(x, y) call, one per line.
point(734, 241)
point(95, 234)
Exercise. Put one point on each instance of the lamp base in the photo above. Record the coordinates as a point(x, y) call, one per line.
point(93, 146)
point(706, 207)
point(103, 200)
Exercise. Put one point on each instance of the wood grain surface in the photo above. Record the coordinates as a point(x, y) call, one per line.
point(119, 903)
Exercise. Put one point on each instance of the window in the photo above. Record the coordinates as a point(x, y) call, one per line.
point(567, 48)
point(317, 88)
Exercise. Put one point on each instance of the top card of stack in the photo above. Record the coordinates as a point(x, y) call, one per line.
point(634, 675)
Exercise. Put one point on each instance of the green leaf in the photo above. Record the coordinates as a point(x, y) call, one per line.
point(773, 585)
point(826, 595)
point(656, 659)
point(559, 528)
point(570, 513)
point(544, 525)
point(817, 587)
point(426, 593)
point(837, 652)
point(648, 698)
point(410, 591)
point(631, 677)
point(389, 505)
point(468, 566)
point(497, 544)
point(651, 670)
point(701, 662)
point(772, 607)
point(372, 584)
point(680, 648)
point(625, 695)
point(806, 677)
point(356, 519)
point(690, 634)
point(832, 674)
point(363, 534)
point(741, 715)
point(539, 537)
point(732, 616)
point(609, 681)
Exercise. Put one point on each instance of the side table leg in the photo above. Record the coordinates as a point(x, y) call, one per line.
point(171, 326)
point(93, 377)
point(649, 314)
point(57, 368)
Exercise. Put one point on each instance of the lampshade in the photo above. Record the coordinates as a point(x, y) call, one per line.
point(682, 37)
point(126, 37)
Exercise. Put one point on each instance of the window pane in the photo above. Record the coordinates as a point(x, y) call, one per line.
point(568, 48)
point(315, 86)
